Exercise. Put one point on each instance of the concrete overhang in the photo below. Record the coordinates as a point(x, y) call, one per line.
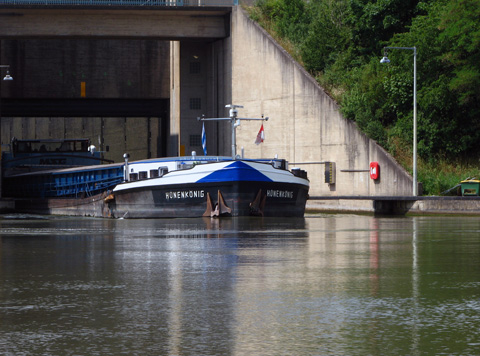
point(163, 23)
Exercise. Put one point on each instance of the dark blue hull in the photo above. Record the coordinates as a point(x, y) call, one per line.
point(196, 200)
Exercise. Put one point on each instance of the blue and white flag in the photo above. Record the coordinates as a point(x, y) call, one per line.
point(204, 140)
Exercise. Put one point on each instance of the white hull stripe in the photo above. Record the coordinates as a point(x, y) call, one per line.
point(219, 172)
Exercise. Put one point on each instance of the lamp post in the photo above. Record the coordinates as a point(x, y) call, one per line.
point(7, 77)
point(386, 60)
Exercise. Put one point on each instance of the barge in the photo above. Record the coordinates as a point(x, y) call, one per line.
point(189, 186)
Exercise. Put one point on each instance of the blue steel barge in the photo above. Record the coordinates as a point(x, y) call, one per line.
point(57, 176)
point(35, 155)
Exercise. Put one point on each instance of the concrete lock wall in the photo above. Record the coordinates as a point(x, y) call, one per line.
point(56, 70)
point(139, 136)
point(248, 68)
point(305, 124)
point(109, 68)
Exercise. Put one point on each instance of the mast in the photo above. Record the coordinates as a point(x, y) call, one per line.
point(235, 122)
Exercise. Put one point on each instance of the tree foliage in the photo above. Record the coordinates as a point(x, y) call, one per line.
point(341, 42)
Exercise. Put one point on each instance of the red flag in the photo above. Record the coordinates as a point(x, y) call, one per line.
point(260, 136)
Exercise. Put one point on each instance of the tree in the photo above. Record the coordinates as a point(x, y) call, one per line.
point(461, 31)
point(328, 34)
point(291, 19)
point(376, 21)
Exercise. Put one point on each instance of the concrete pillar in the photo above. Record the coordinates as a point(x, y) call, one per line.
point(205, 90)
point(173, 147)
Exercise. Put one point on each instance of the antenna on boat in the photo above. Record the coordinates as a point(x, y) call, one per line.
point(126, 156)
point(235, 121)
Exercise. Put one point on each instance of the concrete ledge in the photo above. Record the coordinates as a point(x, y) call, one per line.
point(7, 205)
point(137, 22)
point(396, 205)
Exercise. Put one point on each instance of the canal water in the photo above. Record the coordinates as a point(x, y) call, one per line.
point(322, 285)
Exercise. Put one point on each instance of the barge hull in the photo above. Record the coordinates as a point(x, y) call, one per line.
point(240, 199)
point(94, 206)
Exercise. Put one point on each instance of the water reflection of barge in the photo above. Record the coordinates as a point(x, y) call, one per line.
point(192, 186)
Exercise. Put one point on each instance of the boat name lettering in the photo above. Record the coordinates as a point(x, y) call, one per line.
point(185, 194)
point(53, 161)
point(280, 193)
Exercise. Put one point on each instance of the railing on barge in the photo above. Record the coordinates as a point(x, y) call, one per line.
point(121, 2)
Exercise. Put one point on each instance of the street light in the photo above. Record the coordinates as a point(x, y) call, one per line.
point(386, 60)
point(7, 77)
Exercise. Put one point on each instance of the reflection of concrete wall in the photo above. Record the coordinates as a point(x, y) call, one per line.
point(305, 123)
